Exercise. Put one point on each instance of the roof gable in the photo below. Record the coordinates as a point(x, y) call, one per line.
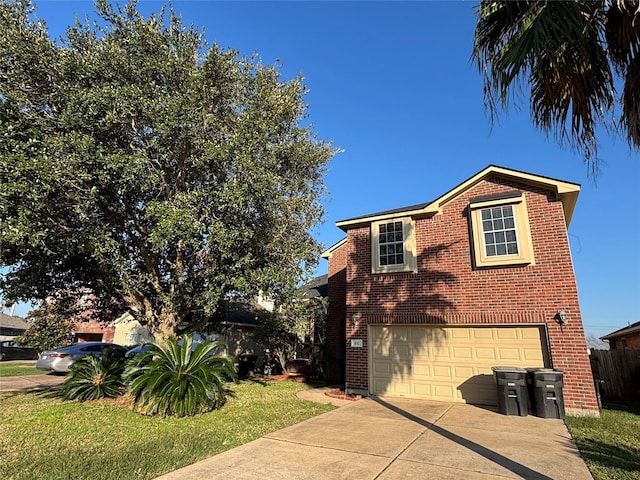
point(566, 191)
point(633, 328)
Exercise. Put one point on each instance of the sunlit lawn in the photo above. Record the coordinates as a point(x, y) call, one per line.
point(42, 437)
point(610, 444)
point(12, 369)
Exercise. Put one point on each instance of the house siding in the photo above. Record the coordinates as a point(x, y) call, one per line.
point(448, 290)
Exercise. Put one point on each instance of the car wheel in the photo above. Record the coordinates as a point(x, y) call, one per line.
point(35, 356)
point(2, 356)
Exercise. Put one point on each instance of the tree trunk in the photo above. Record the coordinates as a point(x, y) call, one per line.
point(165, 325)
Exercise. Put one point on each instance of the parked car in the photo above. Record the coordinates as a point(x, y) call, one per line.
point(61, 359)
point(137, 350)
point(10, 350)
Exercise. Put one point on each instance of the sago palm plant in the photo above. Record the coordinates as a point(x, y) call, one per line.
point(175, 380)
point(91, 378)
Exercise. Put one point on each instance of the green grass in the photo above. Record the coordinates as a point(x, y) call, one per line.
point(42, 437)
point(610, 444)
point(18, 368)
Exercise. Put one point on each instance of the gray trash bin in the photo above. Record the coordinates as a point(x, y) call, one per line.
point(545, 392)
point(513, 398)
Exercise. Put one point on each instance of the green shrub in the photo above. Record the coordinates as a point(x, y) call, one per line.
point(91, 378)
point(176, 380)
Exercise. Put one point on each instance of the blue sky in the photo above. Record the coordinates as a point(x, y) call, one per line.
point(392, 84)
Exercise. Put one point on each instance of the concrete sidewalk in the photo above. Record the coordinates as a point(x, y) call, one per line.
point(392, 438)
point(30, 382)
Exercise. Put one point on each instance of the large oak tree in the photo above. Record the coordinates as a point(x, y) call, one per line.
point(144, 165)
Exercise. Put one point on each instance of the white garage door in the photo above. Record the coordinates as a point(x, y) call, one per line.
point(451, 363)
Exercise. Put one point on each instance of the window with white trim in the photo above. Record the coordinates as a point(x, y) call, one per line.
point(393, 246)
point(500, 229)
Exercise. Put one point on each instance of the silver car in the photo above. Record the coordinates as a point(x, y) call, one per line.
point(60, 359)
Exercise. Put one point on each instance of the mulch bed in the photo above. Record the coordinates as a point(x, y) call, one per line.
point(341, 395)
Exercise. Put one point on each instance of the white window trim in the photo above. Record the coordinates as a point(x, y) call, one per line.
point(410, 260)
point(523, 234)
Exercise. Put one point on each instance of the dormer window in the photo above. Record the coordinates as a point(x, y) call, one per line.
point(393, 246)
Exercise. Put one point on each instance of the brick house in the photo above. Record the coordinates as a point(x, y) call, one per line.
point(627, 338)
point(425, 299)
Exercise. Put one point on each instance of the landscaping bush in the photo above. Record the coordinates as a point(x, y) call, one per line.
point(177, 380)
point(91, 378)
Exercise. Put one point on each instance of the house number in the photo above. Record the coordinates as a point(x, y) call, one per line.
point(356, 342)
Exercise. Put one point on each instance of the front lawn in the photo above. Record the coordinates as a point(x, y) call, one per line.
point(610, 444)
point(12, 369)
point(45, 438)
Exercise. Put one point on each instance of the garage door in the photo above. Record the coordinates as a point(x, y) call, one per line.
point(450, 364)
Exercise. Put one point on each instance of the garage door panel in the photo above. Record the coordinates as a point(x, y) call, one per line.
point(422, 390)
point(382, 368)
point(400, 350)
point(483, 334)
point(439, 353)
point(533, 355)
point(463, 372)
point(485, 353)
point(462, 353)
point(450, 363)
point(506, 333)
point(420, 370)
point(509, 354)
point(441, 371)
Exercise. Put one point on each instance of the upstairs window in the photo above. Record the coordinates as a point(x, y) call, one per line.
point(500, 230)
point(393, 246)
point(391, 243)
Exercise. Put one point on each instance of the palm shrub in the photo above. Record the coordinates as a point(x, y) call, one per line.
point(177, 380)
point(91, 378)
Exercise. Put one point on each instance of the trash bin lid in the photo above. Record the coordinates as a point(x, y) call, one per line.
point(509, 369)
point(539, 369)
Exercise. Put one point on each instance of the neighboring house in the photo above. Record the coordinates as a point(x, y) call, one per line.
point(236, 324)
point(313, 295)
point(92, 331)
point(627, 338)
point(11, 326)
point(317, 288)
point(129, 332)
point(424, 300)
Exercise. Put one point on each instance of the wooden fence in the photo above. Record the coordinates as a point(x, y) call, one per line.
point(617, 373)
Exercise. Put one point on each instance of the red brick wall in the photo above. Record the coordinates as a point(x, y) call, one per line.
point(630, 342)
point(337, 291)
point(93, 327)
point(447, 289)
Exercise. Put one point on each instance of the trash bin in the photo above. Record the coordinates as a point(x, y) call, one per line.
point(246, 364)
point(513, 398)
point(545, 392)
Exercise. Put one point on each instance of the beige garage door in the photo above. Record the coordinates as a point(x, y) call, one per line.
point(451, 364)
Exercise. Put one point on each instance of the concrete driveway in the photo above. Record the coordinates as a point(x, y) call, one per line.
point(392, 438)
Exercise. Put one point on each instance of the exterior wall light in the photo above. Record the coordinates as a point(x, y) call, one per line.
point(561, 317)
point(355, 319)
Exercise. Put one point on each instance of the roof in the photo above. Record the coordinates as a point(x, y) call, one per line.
point(317, 287)
point(329, 251)
point(633, 328)
point(566, 191)
point(13, 322)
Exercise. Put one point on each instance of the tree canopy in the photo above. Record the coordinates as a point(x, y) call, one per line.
point(570, 56)
point(142, 164)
